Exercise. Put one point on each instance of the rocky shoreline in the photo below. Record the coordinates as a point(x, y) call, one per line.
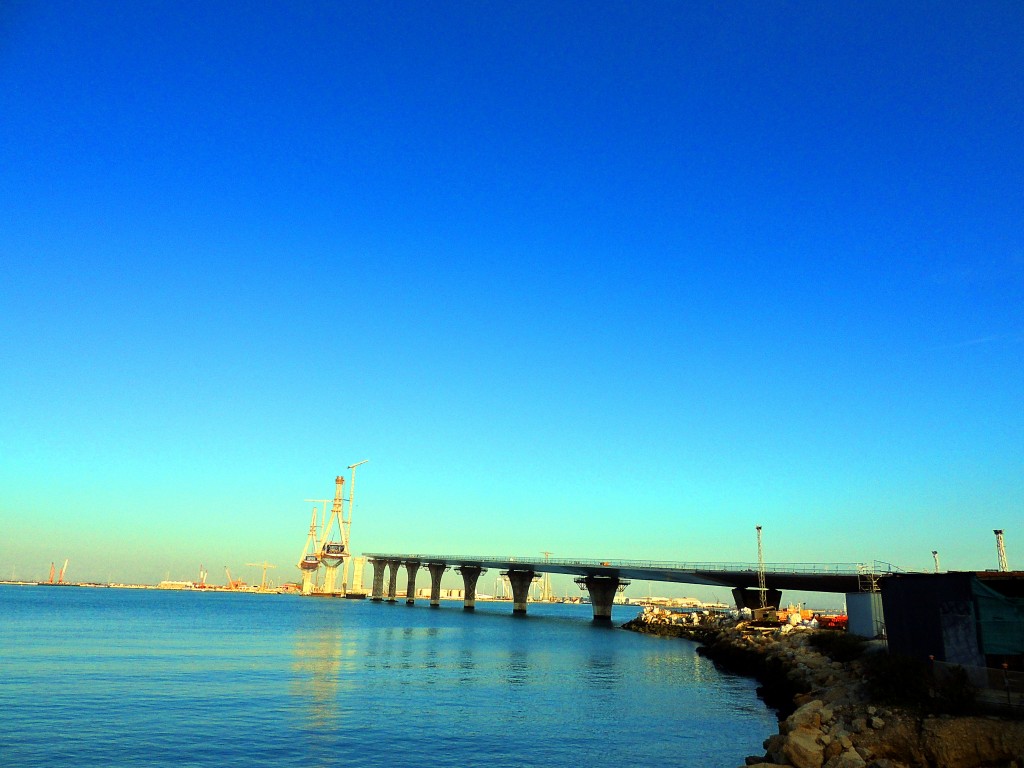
point(828, 717)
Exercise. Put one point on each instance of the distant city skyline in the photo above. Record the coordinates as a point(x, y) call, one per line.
point(617, 282)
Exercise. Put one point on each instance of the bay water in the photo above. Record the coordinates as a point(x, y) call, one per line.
point(115, 677)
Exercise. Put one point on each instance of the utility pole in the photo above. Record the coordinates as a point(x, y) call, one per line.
point(762, 583)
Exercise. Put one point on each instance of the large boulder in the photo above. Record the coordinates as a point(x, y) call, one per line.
point(965, 742)
point(806, 716)
point(847, 759)
point(803, 748)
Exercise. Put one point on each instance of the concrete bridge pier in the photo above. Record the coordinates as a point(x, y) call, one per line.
point(378, 580)
point(520, 581)
point(470, 573)
point(602, 591)
point(393, 566)
point(436, 571)
point(751, 598)
point(411, 566)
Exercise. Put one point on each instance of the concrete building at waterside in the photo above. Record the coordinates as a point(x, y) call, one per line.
point(974, 619)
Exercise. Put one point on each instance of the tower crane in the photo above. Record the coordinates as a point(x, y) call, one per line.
point(264, 565)
point(347, 526)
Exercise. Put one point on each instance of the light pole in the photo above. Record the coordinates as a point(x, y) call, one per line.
point(348, 525)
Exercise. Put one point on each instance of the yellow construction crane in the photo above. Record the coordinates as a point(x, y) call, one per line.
point(264, 565)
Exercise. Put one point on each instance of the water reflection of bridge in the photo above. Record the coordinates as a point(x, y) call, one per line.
point(603, 578)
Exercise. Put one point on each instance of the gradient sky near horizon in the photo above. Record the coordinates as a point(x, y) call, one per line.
point(614, 280)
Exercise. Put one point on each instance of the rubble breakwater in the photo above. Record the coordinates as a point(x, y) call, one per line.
point(830, 712)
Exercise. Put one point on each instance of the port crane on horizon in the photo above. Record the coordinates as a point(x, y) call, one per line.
point(264, 565)
point(53, 572)
point(233, 583)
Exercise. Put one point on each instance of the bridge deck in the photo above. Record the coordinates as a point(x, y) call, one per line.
point(810, 577)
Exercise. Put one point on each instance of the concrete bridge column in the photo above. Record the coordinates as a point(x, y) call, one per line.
point(378, 580)
point(602, 591)
point(751, 598)
point(470, 573)
point(411, 566)
point(393, 566)
point(520, 581)
point(436, 571)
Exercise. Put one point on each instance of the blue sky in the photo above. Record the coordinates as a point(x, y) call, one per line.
point(611, 280)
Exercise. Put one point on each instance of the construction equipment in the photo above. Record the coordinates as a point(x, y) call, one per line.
point(323, 506)
point(333, 551)
point(348, 524)
point(309, 560)
point(1001, 550)
point(546, 595)
point(53, 573)
point(328, 543)
point(233, 583)
point(264, 565)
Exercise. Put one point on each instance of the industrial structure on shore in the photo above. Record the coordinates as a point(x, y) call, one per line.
point(328, 546)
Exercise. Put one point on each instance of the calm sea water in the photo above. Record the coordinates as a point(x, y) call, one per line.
point(109, 677)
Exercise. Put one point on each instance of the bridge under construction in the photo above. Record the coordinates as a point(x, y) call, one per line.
point(753, 585)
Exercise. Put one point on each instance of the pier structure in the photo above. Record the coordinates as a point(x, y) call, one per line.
point(411, 566)
point(470, 574)
point(436, 571)
point(602, 587)
point(377, 591)
point(753, 585)
point(393, 566)
point(520, 579)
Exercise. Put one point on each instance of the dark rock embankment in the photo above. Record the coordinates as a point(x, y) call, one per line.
point(827, 715)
